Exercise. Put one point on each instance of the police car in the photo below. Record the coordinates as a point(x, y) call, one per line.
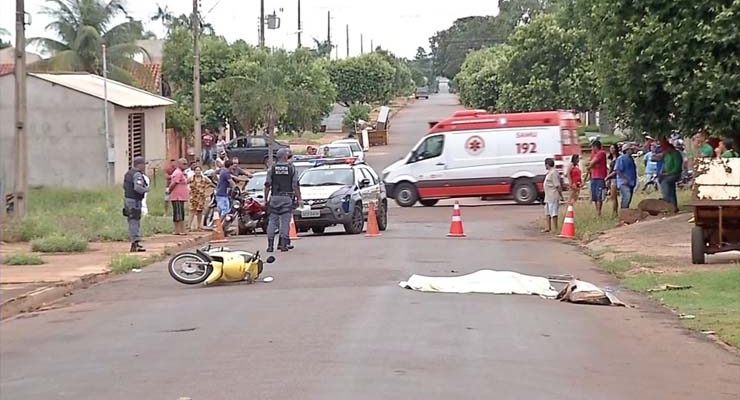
point(339, 192)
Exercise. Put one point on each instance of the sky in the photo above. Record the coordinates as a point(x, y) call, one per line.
point(400, 26)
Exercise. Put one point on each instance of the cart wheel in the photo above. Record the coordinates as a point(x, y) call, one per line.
point(698, 245)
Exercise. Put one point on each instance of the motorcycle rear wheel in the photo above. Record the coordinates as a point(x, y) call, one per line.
point(189, 268)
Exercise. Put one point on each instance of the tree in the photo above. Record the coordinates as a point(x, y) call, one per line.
point(669, 64)
point(82, 27)
point(365, 79)
point(311, 93)
point(258, 88)
point(216, 55)
point(402, 79)
point(478, 81)
point(451, 46)
point(547, 67)
point(322, 48)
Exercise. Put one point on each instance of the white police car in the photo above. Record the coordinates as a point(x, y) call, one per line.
point(340, 193)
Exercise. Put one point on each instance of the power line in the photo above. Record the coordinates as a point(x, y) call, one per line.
point(212, 8)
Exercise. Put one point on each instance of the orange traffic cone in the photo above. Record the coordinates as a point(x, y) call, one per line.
point(456, 227)
point(218, 231)
point(372, 222)
point(293, 230)
point(569, 225)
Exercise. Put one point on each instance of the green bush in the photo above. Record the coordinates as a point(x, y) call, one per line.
point(356, 111)
point(125, 263)
point(23, 259)
point(58, 243)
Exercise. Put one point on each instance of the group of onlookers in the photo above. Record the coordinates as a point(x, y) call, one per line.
point(615, 174)
point(185, 183)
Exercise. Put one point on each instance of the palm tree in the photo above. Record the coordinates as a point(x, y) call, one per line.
point(82, 27)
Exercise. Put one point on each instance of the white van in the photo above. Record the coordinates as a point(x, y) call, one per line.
point(476, 154)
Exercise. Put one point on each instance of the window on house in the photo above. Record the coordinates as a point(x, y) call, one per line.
point(135, 136)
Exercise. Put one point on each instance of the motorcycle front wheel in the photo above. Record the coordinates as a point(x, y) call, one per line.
point(189, 268)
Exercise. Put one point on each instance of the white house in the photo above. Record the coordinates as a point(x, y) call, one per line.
point(67, 144)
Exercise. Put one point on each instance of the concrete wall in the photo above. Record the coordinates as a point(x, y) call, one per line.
point(66, 137)
point(7, 131)
point(66, 144)
point(154, 142)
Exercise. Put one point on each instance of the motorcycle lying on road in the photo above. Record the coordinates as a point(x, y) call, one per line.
point(213, 264)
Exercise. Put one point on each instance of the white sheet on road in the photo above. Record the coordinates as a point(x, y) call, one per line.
point(484, 281)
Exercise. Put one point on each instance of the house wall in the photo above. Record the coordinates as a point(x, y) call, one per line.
point(66, 141)
point(154, 141)
point(66, 136)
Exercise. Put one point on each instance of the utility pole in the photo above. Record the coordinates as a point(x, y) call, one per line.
point(21, 155)
point(262, 24)
point(108, 142)
point(196, 81)
point(347, 40)
point(299, 24)
point(372, 46)
point(328, 30)
point(362, 44)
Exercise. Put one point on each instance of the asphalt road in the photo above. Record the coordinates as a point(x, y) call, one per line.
point(335, 325)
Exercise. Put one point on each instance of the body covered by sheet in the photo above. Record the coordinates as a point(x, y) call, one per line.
point(484, 281)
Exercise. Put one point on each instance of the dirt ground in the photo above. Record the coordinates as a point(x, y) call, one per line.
point(667, 239)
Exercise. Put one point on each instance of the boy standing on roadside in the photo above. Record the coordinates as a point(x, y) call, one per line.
point(553, 194)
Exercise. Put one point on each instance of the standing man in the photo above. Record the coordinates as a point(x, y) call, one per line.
point(597, 168)
point(225, 183)
point(626, 172)
point(207, 142)
point(281, 187)
point(134, 189)
point(670, 172)
point(701, 141)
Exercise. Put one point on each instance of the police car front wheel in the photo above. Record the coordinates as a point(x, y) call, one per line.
point(357, 223)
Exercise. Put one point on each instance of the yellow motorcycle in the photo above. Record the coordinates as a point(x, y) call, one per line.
point(213, 264)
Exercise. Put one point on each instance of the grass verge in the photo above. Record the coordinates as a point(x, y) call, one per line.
point(589, 224)
point(124, 263)
point(23, 259)
point(714, 299)
point(94, 215)
point(58, 243)
point(307, 136)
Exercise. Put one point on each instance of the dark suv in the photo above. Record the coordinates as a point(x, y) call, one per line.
point(252, 149)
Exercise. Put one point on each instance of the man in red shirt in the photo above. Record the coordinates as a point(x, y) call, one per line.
point(598, 170)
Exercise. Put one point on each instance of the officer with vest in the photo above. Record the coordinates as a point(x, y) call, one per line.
point(134, 189)
point(281, 187)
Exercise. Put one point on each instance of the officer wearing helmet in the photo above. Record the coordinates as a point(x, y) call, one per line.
point(281, 188)
point(134, 189)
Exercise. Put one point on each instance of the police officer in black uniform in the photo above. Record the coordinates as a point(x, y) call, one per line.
point(134, 189)
point(281, 188)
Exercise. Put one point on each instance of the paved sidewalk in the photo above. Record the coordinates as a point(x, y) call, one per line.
point(25, 288)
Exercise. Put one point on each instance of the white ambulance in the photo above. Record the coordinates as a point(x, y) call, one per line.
point(477, 154)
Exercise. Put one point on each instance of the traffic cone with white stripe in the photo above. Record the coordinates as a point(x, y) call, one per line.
point(456, 227)
point(569, 225)
point(293, 230)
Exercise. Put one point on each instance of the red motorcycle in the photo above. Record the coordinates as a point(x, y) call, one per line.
point(252, 215)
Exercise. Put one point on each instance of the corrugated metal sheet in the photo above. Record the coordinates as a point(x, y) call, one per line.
point(717, 179)
point(118, 93)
